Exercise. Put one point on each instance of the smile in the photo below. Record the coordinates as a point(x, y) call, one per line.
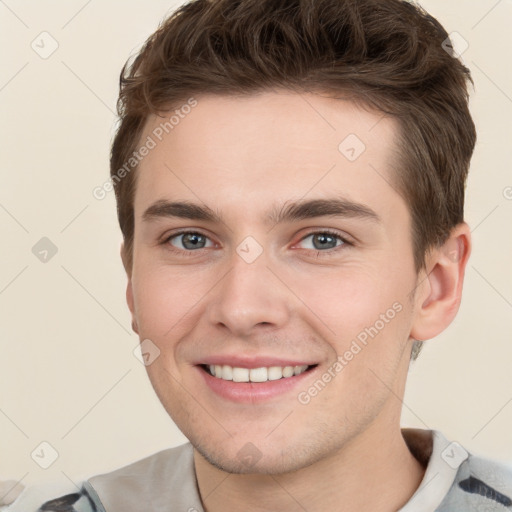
point(262, 374)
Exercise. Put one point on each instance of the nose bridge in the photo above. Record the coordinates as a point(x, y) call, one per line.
point(249, 294)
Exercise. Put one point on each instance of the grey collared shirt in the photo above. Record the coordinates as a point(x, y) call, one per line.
point(454, 481)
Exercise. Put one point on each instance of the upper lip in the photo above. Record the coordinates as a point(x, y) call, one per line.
point(252, 362)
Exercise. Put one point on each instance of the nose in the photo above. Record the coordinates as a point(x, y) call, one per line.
point(249, 297)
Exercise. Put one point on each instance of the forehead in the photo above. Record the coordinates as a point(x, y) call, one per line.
point(245, 152)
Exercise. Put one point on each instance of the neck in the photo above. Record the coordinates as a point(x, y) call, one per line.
point(373, 472)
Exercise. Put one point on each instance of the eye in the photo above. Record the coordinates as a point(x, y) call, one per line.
point(189, 240)
point(325, 241)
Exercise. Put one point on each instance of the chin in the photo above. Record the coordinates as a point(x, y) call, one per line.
point(249, 459)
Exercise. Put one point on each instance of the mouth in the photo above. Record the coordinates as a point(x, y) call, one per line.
point(238, 374)
point(254, 379)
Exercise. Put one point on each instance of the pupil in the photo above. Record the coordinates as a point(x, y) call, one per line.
point(323, 238)
point(192, 238)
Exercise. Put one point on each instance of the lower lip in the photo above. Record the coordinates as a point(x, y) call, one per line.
point(252, 392)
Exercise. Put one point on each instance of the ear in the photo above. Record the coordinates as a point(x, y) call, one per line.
point(129, 287)
point(439, 291)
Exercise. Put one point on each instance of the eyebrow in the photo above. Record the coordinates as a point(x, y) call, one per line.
point(288, 212)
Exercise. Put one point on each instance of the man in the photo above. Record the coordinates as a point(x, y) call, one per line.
point(290, 184)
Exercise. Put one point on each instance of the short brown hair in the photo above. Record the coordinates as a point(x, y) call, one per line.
point(388, 55)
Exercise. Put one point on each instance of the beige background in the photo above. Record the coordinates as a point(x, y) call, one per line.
point(67, 369)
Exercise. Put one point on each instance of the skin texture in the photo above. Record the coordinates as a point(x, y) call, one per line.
point(239, 156)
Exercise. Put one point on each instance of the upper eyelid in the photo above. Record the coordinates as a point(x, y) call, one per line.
point(166, 238)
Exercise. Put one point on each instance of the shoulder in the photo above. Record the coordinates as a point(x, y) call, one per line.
point(456, 480)
point(480, 484)
point(49, 499)
point(165, 474)
point(483, 475)
point(162, 478)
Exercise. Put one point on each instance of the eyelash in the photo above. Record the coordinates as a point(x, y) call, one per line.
point(327, 252)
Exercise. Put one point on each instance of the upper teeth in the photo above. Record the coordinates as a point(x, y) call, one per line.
point(263, 374)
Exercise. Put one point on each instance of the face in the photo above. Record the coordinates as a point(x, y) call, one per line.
point(303, 311)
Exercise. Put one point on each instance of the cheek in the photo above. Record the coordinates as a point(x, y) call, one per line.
point(363, 314)
point(164, 301)
point(346, 300)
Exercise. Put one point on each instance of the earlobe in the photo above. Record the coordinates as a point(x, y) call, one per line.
point(438, 300)
point(130, 302)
